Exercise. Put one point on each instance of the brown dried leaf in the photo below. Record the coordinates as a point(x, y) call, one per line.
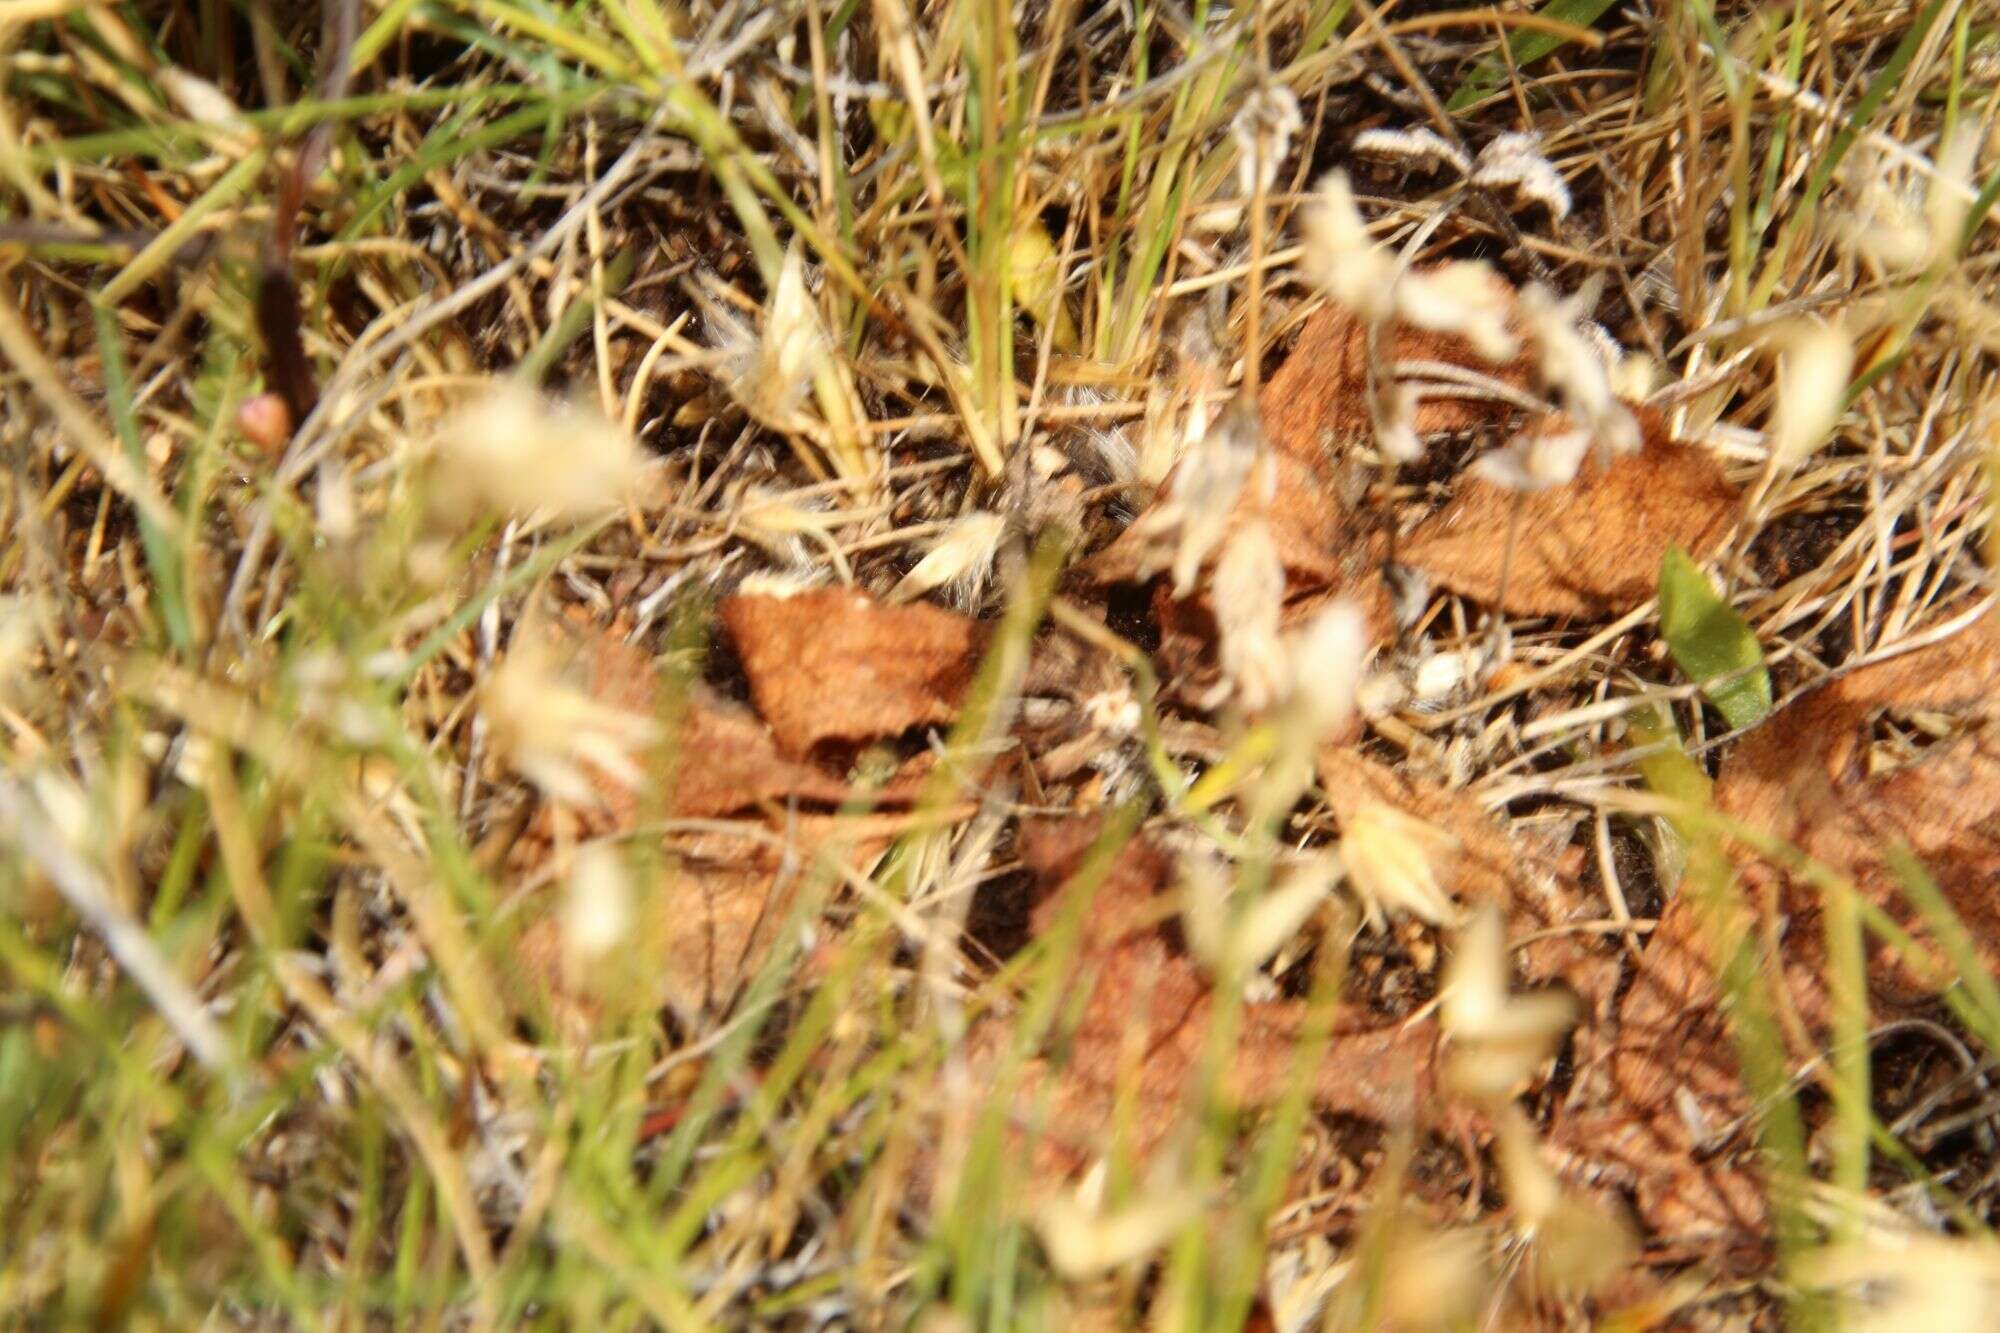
point(837, 665)
point(723, 759)
point(1145, 1019)
point(1588, 549)
point(726, 762)
point(1805, 778)
point(1320, 542)
point(1319, 398)
point(707, 922)
point(1484, 862)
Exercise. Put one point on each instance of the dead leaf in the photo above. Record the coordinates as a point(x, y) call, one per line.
point(1318, 400)
point(1589, 549)
point(1480, 861)
point(1320, 542)
point(1806, 777)
point(708, 919)
point(723, 760)
point(1145, 1017)
point(727, 762)
point(835, 664)
point(1324, 548)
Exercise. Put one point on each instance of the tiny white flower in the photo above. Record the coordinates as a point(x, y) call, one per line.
point(1441, 673)
point(1534, 462)
point(1201, 503)
point(1328, 657)
point(1570, 361)
point(597, 904)
point(781, 585)
point(1905, 230)
point(1633, 375)
point(334, 507)
point(554, 734)
point(1381, 694)
point(204, 102)
point(1113, 712)
point(512, 450)
point(1396, 437)
point(1179, 409)
point(1498, 1038)
point(1205, 895)
point(960, 557)
point(1268, 924)
point(780, 523)
point(1082, 1239)
point(1578, 1243)
point(769, 372)
point(1911, 1282)
point(1342, 257)
point(1430, 1278)
point(1949, 199)
point(1232, 941)
point(1464, 297)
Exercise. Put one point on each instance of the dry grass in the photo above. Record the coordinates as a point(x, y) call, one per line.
point(267, 1056)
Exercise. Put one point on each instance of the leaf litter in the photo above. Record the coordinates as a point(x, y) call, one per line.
point(1811, 779)
point(1452, 442)
point(1123, 1070)
point(1119, 1075)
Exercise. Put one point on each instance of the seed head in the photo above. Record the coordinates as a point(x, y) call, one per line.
point(513, 451)
point(1388, 858)
point(554, 734)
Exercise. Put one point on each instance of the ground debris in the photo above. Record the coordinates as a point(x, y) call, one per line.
point(1673, 1128)
point(1480, 861)
point(1590, 548)
point(710, 910)
point(1321, 541)
point(835, 664)
point(1145, 1014)
point(1318, 399)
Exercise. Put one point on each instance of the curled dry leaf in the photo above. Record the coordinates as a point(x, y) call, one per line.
point(728, 762)
point(835, 664)
point(723, 760)
point(1145, 1018)
point(1588, 549)
point(1810, 777)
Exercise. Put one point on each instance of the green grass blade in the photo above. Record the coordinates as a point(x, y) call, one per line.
point(1490, 74)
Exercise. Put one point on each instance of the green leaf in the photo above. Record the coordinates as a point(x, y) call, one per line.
point(1527, 45)
point(1708, 639)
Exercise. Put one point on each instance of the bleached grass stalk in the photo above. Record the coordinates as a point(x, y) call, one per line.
point(23, 823)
